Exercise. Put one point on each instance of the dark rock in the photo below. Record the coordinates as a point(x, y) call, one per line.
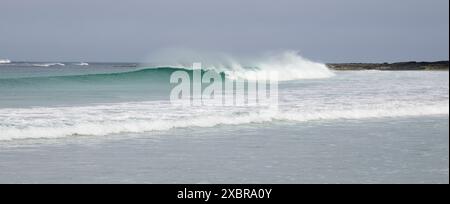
point(398, 66)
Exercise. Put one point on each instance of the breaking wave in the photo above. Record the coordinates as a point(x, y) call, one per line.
point(5, 61)
point(82, 64)
point(288, 65)
point(48, 64)
point(143, 117)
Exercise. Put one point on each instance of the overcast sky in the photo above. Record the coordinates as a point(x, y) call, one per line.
point(132, 30)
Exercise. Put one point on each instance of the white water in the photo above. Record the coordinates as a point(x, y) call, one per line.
point(288, 65)
point(82, 64)
point(151, 116)
point(5, 61)
point(48, 64)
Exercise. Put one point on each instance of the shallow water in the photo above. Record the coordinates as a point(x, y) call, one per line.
point(394, 150)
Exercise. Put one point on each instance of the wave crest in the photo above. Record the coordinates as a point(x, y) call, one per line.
point(48, 64)
point(5, 61)
point(288, 65)
point(147, 116)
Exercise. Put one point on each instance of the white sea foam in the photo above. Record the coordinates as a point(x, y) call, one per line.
point(5, 61)
point(82, 64)
point(157, 116)
point(48, 64)
point(288, 65)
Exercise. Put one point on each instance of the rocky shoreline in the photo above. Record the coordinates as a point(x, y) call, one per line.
point(399, 66)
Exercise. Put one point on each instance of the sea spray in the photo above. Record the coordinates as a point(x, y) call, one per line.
point(289, 64)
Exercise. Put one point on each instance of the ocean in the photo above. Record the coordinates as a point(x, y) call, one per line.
point(114, 123)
